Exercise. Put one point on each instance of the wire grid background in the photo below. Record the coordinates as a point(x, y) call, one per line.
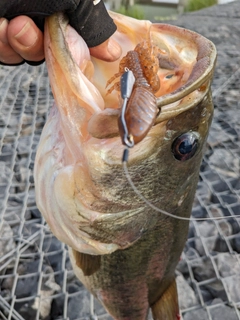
point(24, 237)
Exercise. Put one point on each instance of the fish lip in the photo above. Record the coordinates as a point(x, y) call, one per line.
point(201, 74)
point(169, 107)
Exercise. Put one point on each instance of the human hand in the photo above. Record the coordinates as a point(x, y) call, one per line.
point(21, 39)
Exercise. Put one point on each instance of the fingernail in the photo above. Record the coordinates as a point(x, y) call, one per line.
point(3, 23)
point(27, 36)
point(3, 28)
point(114, 49)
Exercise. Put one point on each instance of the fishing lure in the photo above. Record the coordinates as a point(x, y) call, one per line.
point(140, 109)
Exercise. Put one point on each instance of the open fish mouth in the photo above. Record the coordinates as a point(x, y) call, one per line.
point(186, 63)
point(80, 188)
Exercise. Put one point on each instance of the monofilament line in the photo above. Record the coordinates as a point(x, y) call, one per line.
point(141, 196)
point(224, 85)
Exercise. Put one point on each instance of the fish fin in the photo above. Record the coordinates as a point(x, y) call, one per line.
point(167, 306)
point(88, 263)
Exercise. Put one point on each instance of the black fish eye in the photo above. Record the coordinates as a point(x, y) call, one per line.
point(185, 146)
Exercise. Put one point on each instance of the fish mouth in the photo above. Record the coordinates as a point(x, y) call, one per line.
point(186, 63)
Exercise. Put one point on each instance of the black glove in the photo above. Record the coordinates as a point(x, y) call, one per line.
point(89, 18)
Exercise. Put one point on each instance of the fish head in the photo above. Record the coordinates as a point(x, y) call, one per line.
point(81, 187)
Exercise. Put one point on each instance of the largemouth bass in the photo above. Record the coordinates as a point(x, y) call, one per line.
point(123, 250)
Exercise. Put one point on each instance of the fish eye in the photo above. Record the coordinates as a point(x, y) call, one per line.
point(185, 146)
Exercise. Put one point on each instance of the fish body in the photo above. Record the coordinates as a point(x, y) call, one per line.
point(123, 250)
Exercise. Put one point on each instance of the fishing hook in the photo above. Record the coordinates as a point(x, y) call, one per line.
point(127, 82)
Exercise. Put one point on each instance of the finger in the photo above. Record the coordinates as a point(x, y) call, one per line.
point(109, 50)
point(7, 54)
point(25, 38)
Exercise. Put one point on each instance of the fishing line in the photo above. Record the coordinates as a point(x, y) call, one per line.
point(224, 85)
point(151, 205)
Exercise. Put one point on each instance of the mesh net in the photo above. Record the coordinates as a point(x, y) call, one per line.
point(36, 278)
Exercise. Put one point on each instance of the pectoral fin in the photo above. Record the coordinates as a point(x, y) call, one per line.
point(88, 263)
point(166, 308)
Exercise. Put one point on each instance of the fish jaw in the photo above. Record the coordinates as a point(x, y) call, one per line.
point(81, 189)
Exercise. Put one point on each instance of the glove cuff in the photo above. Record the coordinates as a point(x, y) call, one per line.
point(92, 22)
